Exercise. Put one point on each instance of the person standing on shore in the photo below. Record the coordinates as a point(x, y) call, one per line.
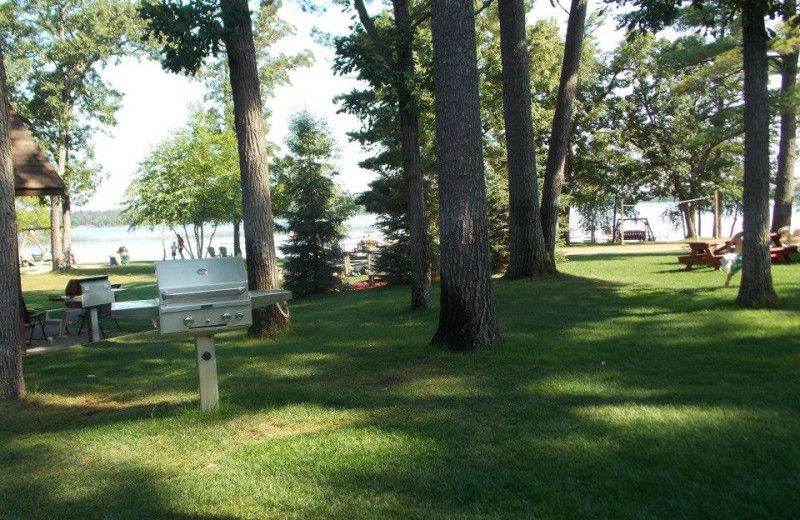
point(180, 245)
point(174, 249)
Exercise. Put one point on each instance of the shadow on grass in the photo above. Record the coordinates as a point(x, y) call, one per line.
point(606, 400)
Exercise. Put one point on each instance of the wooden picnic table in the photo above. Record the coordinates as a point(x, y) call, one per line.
point(702, 253)
point(706, 253)
point(779, 252)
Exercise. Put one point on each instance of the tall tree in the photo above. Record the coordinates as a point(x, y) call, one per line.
point(191, 32)
point(467, 318)
point(787, 146)
point(251, 137)
point(390, 63)
point(562, 123)
point(526, 244)
point(57, 48)
point(12, 385)
point(756, 288)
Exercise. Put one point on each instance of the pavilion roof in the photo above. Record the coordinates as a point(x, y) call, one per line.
point(33, 173)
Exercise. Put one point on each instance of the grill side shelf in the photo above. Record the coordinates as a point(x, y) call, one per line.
point(264, 297)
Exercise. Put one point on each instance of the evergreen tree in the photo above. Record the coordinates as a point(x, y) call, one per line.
point(316, 209)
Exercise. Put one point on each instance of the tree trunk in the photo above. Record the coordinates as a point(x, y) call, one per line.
point(756, 288)
point(562, 122)
point(467, 317)
point(61, 242)
point(237, 246)
point(187, 242)
point(66, 214)
point(787, 147)
point(528, 256)
point(12, 385)
point(415, 188)
point(688, 212)
point(56, 244)
point(259, 238)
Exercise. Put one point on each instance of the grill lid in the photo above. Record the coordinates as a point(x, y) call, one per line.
point(215, 279)
point(74, 286)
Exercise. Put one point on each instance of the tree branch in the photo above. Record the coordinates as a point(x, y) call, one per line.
point(483, 7)
point(369, 27)
point(423, 17)
point(555, 3)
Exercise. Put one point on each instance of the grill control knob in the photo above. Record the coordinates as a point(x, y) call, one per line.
point(188, 321)
point(239, 315)
point(226, 317)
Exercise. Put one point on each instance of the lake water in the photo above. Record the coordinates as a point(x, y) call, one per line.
point(95, 245)
point(663, 229)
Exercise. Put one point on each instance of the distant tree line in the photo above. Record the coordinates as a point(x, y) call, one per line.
point(98, 218)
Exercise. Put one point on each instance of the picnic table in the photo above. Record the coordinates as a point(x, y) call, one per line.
point(703, 253)
point(779, 252)
point(706, 253)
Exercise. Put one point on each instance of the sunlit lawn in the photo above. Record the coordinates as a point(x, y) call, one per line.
point(626, 388)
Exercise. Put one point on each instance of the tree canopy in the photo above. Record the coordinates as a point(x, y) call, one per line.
point(190, 180)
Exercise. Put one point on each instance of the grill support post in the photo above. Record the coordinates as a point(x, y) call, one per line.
point(207, 372)
point(94, 325)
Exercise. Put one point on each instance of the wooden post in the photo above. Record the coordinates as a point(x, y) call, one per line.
point(207, 372)
point(717, 215)
point(347, 268)
point(622, 221)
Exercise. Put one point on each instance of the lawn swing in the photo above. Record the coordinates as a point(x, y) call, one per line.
point(642, 233)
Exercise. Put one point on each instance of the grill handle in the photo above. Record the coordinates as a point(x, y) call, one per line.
point(228, 290)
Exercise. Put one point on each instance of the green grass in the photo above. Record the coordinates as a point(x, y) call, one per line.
point(626, 388)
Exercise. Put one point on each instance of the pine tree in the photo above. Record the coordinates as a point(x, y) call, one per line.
point(316, 208)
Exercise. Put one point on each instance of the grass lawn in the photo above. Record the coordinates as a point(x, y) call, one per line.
point(626, 388)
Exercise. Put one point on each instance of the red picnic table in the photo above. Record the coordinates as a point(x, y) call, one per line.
point(703, 253)
point(706, 253)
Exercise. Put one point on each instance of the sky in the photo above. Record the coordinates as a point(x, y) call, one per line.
point(156, 102)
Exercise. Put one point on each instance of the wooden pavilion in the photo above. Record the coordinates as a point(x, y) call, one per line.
point(33, 175)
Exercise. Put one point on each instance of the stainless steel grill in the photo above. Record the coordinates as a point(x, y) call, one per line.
point(90, 293)
point(201, 297)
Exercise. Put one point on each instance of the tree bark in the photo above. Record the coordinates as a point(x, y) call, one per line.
point(415, 188)
point(12, 385)
point(259, 238)
point(467, 318)
point(688, 212)
point(562, 122)
point(56, 243)
point(756, 288)
point(66, 215)
point(237, 246)
point(528, 256)
point(787, 147)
